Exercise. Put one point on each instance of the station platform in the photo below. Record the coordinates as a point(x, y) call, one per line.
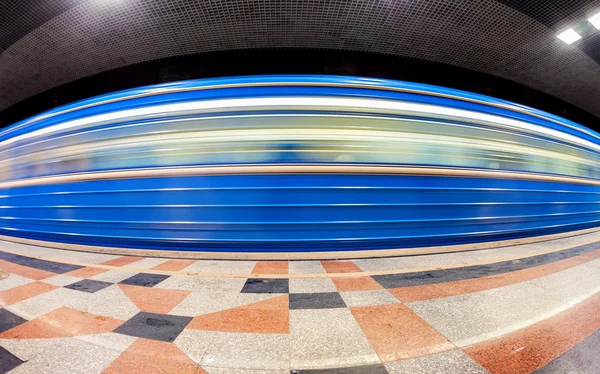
point(520, 307)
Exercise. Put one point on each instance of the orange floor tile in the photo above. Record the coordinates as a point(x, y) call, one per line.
point(270, 267)
point(266, 317)
point(356, 284)
point(396, 332)
point(433, 291)
point(154, 300)
point(149, 357)
point(211, 321)
point(62, 322)
point(340, 267)
point(174, 265)
point(25, 271)
point(122, 261)
point(24, 292)
point(258, 321)
point(525, 350)
point(86, 272)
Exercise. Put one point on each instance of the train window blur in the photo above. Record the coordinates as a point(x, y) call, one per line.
point(298, 138)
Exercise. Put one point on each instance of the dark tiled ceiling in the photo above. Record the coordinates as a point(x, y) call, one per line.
point(548, 12)
point(19, 17)
point(591, 46)
point(65, 40)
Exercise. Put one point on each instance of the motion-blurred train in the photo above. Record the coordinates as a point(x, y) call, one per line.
point(295, 163)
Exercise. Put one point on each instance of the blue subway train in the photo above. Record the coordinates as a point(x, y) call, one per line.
point(295, 163)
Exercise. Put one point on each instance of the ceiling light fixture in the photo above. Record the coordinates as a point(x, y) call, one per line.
point(569, 36)
point(595, 20)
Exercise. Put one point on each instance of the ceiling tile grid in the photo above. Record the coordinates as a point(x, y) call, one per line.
point(489, 36)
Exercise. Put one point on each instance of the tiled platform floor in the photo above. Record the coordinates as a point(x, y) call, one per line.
point(520, 309)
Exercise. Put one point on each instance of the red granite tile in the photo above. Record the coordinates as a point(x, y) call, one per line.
point(174, 265)
point(356, 284)
point(432, 291)
point(14, 295)
point(25, 271)
point(396, 332)
point(277, 303)
point(528, 349)
point(62, 322)
point(154, 300)
point(340, 267)
point(417, 293)
point(150, 356)
point(257, 321)
point(86, 272)
point(271, 267)
point(122, 261)
point(210, 321)
point(265, 317)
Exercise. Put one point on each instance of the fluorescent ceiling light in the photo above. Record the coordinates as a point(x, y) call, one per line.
point(595, 20)
point(569, 36)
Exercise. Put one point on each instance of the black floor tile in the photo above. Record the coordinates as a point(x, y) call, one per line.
point(477, 271)
point(266, 286)
point(8, 361)
point(55, 267)
point(145, 279)
point(319, 300)
point(367, 369)
point(154, 326)
point(88, 285)
point(9, 320)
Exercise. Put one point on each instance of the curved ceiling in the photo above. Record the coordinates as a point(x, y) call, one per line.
point(46, 43)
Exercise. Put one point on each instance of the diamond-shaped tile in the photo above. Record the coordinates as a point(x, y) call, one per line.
point(266, 286)
point(88, 285)
point(154, 326)
point(145, 279)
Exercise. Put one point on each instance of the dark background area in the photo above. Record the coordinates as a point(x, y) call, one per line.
point(292, 61)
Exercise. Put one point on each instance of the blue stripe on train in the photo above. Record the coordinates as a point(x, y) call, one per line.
point(239, 92)
point(295, 212)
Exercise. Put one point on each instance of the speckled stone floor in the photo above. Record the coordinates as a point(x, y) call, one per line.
point(519, 309)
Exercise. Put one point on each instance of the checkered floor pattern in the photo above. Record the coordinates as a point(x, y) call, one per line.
point(507, 310)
